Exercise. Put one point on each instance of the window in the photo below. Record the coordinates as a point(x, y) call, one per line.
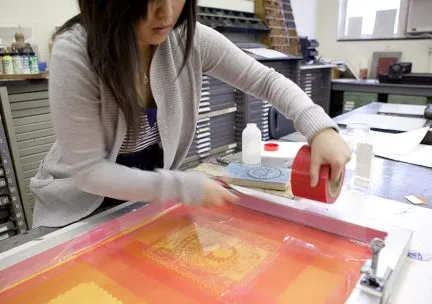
point(372, 19)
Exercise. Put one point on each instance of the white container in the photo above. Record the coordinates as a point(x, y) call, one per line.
point(251, 145)
point(17, 64)
point(283, 157)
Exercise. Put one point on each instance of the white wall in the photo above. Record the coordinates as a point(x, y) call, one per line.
point(305, 15)
point(44, 15)
point(415, 51)
point(40, 15)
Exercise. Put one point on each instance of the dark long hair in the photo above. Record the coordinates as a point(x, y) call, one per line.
point(113, 49)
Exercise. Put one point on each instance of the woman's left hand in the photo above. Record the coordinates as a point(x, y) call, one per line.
point(328, 147)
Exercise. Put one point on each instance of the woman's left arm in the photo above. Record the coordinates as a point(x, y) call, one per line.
point(225, 61)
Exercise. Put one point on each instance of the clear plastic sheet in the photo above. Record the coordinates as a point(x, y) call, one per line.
point(172, 253)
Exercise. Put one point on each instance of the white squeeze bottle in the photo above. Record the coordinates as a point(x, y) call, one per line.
point(251, 145)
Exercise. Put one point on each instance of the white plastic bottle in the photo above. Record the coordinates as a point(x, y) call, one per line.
point(251, 145)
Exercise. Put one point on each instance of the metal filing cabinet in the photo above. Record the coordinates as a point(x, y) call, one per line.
point(315, 80)
point(290, 67)
point(253, 110)
point(215, 133)
point(12, 214)
point(29, 130)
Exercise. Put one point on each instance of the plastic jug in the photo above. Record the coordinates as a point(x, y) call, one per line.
point(251, 145)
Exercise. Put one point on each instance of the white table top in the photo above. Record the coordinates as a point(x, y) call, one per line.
point(417, 283)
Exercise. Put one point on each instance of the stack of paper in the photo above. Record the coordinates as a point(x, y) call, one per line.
point(266, 53)
point(404, 147)
point(402, 110)
point(385, 122)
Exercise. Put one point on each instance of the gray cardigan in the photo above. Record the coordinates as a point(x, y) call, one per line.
point(80, 169)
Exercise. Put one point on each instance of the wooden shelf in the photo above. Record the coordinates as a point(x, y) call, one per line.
point(24, 76)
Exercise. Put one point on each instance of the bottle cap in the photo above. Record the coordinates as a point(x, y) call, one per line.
point(271, 147)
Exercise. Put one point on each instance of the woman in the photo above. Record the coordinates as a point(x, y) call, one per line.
point(116, 63)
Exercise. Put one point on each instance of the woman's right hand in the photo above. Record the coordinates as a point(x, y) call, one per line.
point(215, 194)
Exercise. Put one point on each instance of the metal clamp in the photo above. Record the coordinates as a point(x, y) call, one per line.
point(371, 281)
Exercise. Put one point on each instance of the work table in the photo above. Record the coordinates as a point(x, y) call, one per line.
point(351, 204)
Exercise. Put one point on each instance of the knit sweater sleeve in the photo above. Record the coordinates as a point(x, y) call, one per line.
point(225, 61)
point(74, 93)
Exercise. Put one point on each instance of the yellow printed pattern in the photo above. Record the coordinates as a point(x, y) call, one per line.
point(212, 256)
point(93, 294)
